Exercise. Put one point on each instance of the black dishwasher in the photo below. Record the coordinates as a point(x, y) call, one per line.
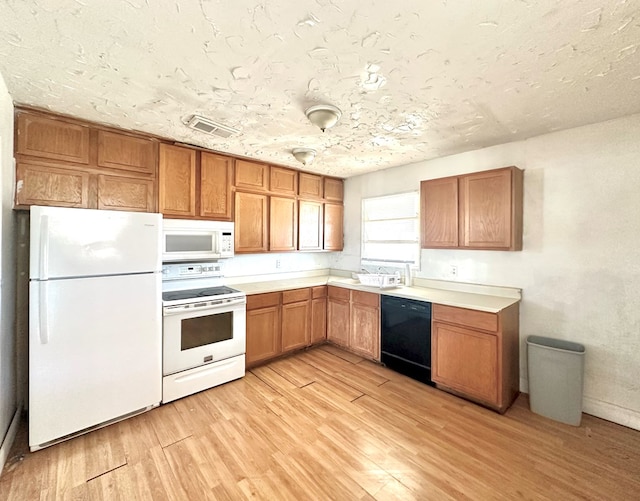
point(406, 337)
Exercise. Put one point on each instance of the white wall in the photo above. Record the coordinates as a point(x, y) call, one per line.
point(7, 268)
point(580, 266)
point(264, 264)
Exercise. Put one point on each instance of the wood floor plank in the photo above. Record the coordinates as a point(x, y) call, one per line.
point(325, 424)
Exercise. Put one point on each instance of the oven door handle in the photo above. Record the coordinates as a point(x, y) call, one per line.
point(181, 308)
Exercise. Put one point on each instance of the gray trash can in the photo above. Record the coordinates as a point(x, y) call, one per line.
point(556, 370)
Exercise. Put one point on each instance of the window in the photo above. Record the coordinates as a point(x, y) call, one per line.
point(390, 230)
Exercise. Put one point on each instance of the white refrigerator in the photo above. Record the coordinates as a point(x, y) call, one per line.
point(95, 319)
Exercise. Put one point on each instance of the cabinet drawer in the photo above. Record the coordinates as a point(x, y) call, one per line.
point(339, 293)
point(295, 295)
point(318, 292)
point(366, 298)
point(263, 300)
point(471, 318)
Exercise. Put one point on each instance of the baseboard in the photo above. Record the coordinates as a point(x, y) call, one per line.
point(611, 412)
point(9, 438)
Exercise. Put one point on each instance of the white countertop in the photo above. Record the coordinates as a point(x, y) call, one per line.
point(447, 293)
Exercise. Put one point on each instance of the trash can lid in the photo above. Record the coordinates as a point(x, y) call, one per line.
point(557, 344)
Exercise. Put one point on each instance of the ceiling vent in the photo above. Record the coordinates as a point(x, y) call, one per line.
point(210, 127)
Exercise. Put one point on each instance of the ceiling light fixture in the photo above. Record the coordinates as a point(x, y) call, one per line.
point(324, 116)
point(304, 155)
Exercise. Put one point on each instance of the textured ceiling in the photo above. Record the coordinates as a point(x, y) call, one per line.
point(414, 79)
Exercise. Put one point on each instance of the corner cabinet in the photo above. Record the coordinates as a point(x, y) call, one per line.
point(482, 210)
point(475, 354)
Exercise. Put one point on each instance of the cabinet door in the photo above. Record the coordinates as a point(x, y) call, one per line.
point(338, 321)
point(284, 181)
point(318, 319)
point(216, 175)
point(283, 224)
point(251, 222)
point(44, 185)
point(465, 360)
point(252, 176)
point(295, 325)
point(50, 138)
point(310, 226)
point(333, 221)
point(121, 151)
point(125, 193)
point(333, 189)
point(263, 334)
point(310, 185)
point(364, 335)
point(177, 179)
point(485, 210)
point(439, 213)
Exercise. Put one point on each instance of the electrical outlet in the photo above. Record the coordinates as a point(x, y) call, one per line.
point(278, 263)
point(453, 270)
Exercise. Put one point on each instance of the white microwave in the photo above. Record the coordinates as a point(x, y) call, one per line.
point(189, 240)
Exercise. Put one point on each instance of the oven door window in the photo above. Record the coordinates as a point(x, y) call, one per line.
point(206, 330)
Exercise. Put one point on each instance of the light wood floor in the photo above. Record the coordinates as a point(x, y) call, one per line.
point(325, 424)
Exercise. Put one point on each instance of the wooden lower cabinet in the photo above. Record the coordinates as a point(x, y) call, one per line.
point(280, 322)
point(475, 354)
point(338, 314)
point(263, 327)
point(353, 321)
point(364, 332)
point(296, 308)
point(318, 329)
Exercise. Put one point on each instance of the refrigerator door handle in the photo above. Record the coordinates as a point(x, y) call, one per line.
point(44, 247)
point(44, 313)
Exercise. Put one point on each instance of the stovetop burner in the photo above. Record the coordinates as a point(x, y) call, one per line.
point(195, 293)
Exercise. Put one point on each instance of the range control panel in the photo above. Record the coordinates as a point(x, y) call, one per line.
point(178, 271)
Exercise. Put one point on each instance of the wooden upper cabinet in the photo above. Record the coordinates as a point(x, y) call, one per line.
point(251, 231)
point(177, 180)
point(491, 209)
point(333, 227)
point(482, 210)
point(216, 176)
point(310, 225)
point(310, 185)
point(283, 180)
point(121, 151)
point(126, 193)
point(46, 185)
point(252, 175)
point(283, 224)
point(333, 189)
point(439, 209)
point(52, 138)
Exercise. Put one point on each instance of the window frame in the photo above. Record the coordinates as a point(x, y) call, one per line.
point(385, 261)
